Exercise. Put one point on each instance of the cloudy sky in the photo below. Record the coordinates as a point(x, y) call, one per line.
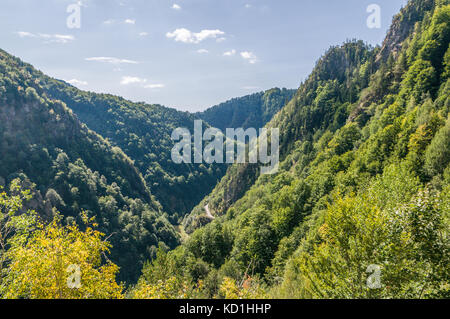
point(187, 54)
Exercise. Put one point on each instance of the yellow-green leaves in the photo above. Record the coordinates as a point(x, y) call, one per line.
point(61, 262)
point(249, 289)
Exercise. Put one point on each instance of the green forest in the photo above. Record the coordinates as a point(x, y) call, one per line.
point(359, 208)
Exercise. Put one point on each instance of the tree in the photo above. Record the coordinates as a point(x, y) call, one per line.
point(61, 262)
point(437, 155)
point(10, 222)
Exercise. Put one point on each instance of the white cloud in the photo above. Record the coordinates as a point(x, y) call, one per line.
point(186, 36)
point(176, 7)
point(143, 34)
point(126, 80)
point(220, 39)
point(132, 80)
point(24, 34)
point(59, 38)
point(230, 53)
point(249, 56)
point(109, 21)
point(49, 38)
point(248, 6)
point(82, 3)
point(111, 60)
point(126, 21)
point(76, 82)
point(202, 51)
point(154, 86)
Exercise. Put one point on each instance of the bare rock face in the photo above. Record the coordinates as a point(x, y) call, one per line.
point(402, 26)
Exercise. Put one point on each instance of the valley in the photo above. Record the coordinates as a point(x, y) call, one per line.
point(362, 187)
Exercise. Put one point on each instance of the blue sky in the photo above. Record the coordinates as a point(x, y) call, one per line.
point(187, 54)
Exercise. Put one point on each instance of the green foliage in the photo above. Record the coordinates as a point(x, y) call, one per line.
point(211, 243)
point(437, 155)
point(14, 228)
point(377, 227)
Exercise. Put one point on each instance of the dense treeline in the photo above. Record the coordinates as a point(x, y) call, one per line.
point(253, 110)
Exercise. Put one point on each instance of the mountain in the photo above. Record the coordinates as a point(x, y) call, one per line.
point(321, 103)
point(42, 142)
point(143, 131)
point(360, 207)
point(253, 110)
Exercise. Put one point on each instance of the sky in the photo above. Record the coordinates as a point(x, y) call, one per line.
point(185, 54)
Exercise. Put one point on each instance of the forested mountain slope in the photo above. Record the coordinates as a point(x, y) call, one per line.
point(321, 103)
point(363, 187)
point(334, 89)
point(143, 131)
point(74, 169)
point(253, 110)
